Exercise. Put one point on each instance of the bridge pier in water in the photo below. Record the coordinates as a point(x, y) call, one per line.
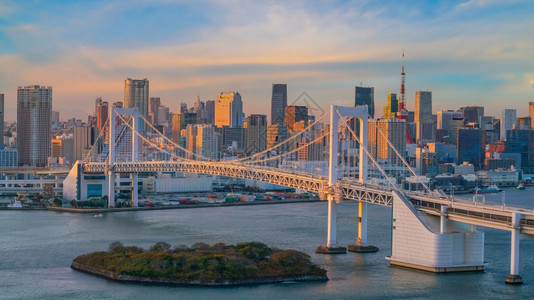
point(361, 242)
point(514, 277)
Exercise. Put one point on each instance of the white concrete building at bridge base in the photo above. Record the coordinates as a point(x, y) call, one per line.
point(432, 243)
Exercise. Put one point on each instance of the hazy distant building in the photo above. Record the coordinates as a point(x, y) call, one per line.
point(523, 122)
point(444, 116)
point(256, 134)
point(423, 115)
point(508, 121)
point(162, 115)
point(229, 110)
point(295, 114)
point(153, 106)
point(1, 120)
point(395, 131)
point(84, 138)
point(472, 113)
point(102, 114)
point(209, 113)
point(34, 123)
point(365, 96)
point(55, 116)
point(136, 95)
point(97, 102)
point(392, 107)
point(278, 103)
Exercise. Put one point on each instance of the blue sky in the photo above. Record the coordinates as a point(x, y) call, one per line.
point(477, 52)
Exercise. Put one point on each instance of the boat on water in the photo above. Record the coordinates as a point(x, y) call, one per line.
point(520, 187)
point(15, 204)
point(491, 189)
point(98, 216)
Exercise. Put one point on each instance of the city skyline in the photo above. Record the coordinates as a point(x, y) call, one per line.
point(465, 52)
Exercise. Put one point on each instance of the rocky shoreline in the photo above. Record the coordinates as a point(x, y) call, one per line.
point(183, 282)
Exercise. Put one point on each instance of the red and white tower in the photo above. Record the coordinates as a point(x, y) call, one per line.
point(403, 112)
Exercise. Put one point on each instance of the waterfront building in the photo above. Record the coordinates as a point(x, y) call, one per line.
point(500, 177)
point(295, 114)
point(509, 117)
point(34, 124)
point(229, 110)
point(522, 141)
point(365, 96)
point(136, 95)
point(278, 103)
point(464, 169)
point(423, 115)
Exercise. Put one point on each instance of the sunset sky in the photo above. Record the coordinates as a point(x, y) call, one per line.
point(478, 52)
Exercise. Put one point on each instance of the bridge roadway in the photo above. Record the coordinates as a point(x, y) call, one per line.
point(459, 209)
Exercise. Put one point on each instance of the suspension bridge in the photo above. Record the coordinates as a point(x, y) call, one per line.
point(431, 231)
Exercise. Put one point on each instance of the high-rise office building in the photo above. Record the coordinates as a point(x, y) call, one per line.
point(210, 112)
point(444, 116)
point(102, 114)
point(522, 141)
point(472, 113)
point(153, 106)
point(278, 103)
point(365, 96)
point(162, 115)
point(470, 146)
point(136, 95)
point(275, 134)
point(84, 138)
point(523, 122)
point(1, 120)
point(34, 123)
point(295, 114)
point(531, 113)
point(229, 110)
point(179, 122)
point(454, 125)
point(97, 102)
point(392, 107)
point(508, 121)
point(423, 115)
point(395, 131)
point(206, 141)
point(256, 134)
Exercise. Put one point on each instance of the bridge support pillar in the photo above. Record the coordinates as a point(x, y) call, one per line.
point(135, 189)
point(111, 189)
point(331, 240)
point(443, 220)
point(514, 277)
point(361, 243)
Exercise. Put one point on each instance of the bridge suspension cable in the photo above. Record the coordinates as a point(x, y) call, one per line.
point(95, 143)
point(366, 151)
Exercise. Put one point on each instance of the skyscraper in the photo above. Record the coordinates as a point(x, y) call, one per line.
point(136, 95)
point(278, 103)
point(1, 120)
point(256, 134)
point(454, 125)
point(395, 131)
point(295, 114)
point(229, 110)
point(470, 146)
point(531, 113)
point(444, 116)
point(472, 113)
point(392, 107)
point(84, 138)
point(522, 141)
point(154, 104)
point(508, 120)
point(365, 96)
point(34, 122)
point(102, 114)
point(423, 115)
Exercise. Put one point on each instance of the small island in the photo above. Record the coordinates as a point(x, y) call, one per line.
point(200, 264)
